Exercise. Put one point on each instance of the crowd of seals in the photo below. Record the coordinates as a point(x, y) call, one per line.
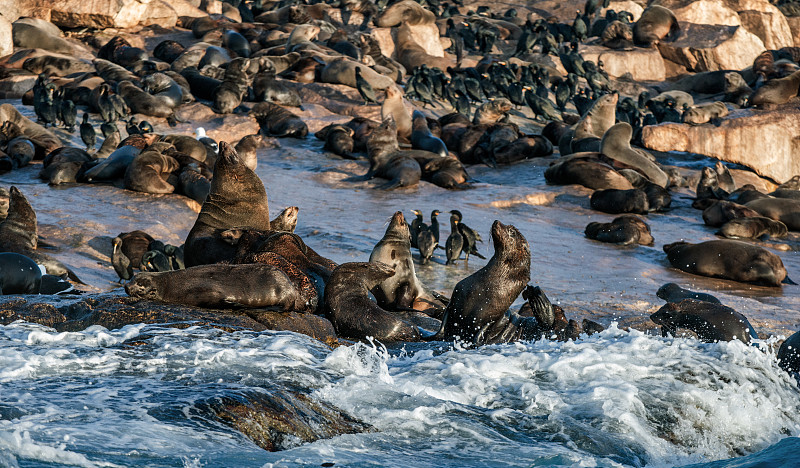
point(439, 112)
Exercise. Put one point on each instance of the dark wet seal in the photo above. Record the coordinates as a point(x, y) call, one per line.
point(711, 322)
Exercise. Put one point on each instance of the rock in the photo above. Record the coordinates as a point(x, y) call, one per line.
point(114, 311)
point(763, 141)
point(702, 47)
point(277, 418)
point(642, 64)
point(15, 86)
point(227, 127)
point(6, 42)
point(113, 13)
point(794, 28)
point(756, 16)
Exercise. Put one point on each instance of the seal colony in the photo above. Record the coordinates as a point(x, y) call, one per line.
point(509, 89)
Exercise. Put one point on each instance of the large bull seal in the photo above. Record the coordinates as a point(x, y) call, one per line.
point(728, 259)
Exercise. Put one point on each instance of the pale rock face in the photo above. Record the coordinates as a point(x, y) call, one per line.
point(763, 141)
point(794, 28)
point(107, 13)
point(701, 47)
point(642, 64)
point(425, 35)
point(6, 42)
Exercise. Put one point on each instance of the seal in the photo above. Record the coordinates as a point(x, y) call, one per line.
point(588, 170)
point(404, 12)
point(149, 171)
point(785, 210)
point(789, 354)
point(492, 111)
point(671, 292)
point(706, 112)
point(193, 183)
point(267, 88)
point(403, 290)
point(338, 140)
point(655, 24)
point(601, 116)
point(616, 144)
point(624, 230)
point(219, 286)
point(19, 274)
point(237, 200)
point(352, 312)
point(482, 299)
point(728, 259)
point(445, 172)
point(168, 50)
point(412, 55)
point(163, 87)
point(112, 167)
point(387, 161)
point(246, 149)
point(711, 322)
point(620, 201)
point(277, 121)
point(719, 212)
point(753, 228)
point(777, 91)
point(35, 33)
point(423, 139)
point(343, 71)
point(393, 105)
point(233, 87)
point(141, 102)
point(286, 221)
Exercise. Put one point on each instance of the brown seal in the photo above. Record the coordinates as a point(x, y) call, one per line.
point(753, 228)
point(277, 121)
point(393, 106)
point(492, 111)
point(616, 144)
point(411, 55)
point(624, 230)
point(149, 171)
point(141, 102)
point(777, 91)
point(728, 259)
point(620, 201)
point(286, 221)
point(403, 290)
point(482, 299)
point(354, 314)
point(219, 286)
point(387, 161)
point(655, 24)
point(237, 200)
point(719, 212)
point(785, 210)
point(588, 170)
point(711, 322)
point(246, 149)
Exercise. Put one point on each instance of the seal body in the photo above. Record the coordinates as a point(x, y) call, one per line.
point(354, 314)
point(753, 228)
point(277, 121)
point(421, 137)
point(728, 259)
point(588, 170)
point(712, 322)
point(620, 201)
point(480, 301)
point(789, 354)
point(624, 230)
point(148, 172)
point(219, 286)
point(655, 24)
point(785, 210)
point(387, 161)
point(19, 274)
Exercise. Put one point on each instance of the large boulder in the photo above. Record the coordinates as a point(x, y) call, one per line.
point(763, 141)
point(756, 16)
point(113, 13)
point(425, 35)
point(642, 64)
point(703, 47)
point(6, 42)
point(794, 27)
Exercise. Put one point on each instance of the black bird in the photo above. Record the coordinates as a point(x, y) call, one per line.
point(69, 114)
point(108, 128)
point(434, 227)
point(45, 106)
point(541, 106)
point(455, 242)
point(88, 134)
point(105, 105)
point(461, 104)
point(121, 263)
point(120, 108)
point(473, 87)
point(132, 127)
point(417, 226)
point(515, 94)
point(561, 89)
point(526, 42)
point(470, 236)
point(579, 28)
point(175, 255)
point(364, 88)
point(145, 127)
point(155, 260)
point(426, 245)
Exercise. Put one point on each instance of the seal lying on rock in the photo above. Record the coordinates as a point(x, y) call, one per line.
point(482, 299)
point(728, 259)
point(712, 322)
point(219, 286)
point(277, 121)
point(354, 314)
point(387, 161)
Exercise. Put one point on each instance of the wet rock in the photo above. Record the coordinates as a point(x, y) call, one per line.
point(642, 64)
point(703, 47)
point(766, 142)
point(278, 419)
point(115, 311)
point(228, 127)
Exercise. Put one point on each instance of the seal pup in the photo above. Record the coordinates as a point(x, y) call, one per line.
point(19, 274)
point(712, 322)
point(620, 201)
point(482, 299)
point(728, 259)
point(352, 312)
point(237, 200)
point(286, 221)
point(394, 106)
point(623, 230)
point(616, 144)
point(753, 228)
point(422, 138)
point(149, 170)
point(252, 285)
point(338, 140)
point(403, 289)
point(277, 121)
point(719, 212)
point(671, 292)
point(655, 24)
point(387, 161)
